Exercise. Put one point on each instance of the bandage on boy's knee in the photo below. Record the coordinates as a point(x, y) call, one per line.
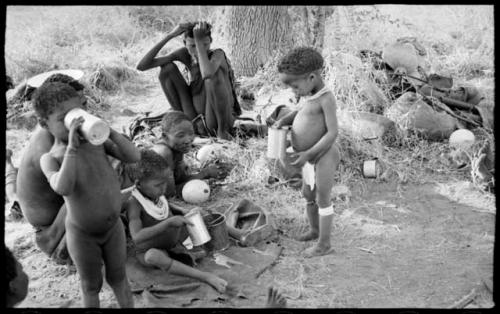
point(311, 203)
point(326, 211)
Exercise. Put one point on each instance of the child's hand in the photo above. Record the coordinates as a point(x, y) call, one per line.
point(178, 221)
point(74, 136)
point(213, 171)
point(200, 30)
point(302, 158)
point(278, 124)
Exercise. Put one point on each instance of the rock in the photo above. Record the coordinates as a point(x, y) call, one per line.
point(128, 112)
point(410, 112)
point(367, 125)
point(341, 192)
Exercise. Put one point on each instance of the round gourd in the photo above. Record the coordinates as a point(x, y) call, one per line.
point(195, 191)
point(462, 138)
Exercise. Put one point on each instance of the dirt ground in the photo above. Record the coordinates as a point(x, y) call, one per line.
point(396, 245)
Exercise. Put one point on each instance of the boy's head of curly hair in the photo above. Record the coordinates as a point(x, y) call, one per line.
point(171, 119)
point(301, 61)
point(48, 96)
point(63, 78)
point(189, 32)
point(151, 165)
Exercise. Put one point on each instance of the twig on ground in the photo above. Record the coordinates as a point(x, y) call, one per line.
point(464, 300)
point(366, 250)
point(260, 272)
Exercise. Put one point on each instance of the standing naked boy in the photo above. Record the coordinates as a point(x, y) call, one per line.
point(314, 131)
point(43, 208)
point(82, 174)
point(210, 99)
point(153, 227)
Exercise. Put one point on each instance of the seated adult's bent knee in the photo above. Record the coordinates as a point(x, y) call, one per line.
point(166, 70)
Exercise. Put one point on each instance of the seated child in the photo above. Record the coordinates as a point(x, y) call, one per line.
point(314, 130)
point(16, 284)
point(82, 174)
point(43, 208)
point(177, 139)
point(153, 227)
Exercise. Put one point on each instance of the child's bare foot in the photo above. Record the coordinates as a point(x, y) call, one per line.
point(274, 298)
point(308, 236)
point(318, 250)
point(218, 283)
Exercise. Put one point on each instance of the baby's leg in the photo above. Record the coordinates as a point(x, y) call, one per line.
point(114, 253)
point(160, 259)
point(86, 254)
point(312, 214)
point(325, 171)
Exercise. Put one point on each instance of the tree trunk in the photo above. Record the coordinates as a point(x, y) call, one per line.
point(254, 34)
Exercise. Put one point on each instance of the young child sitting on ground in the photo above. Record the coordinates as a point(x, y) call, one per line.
point(314, 130)
point(16, 283)
point(82, 174)
point(177, 139)
point(153, 227)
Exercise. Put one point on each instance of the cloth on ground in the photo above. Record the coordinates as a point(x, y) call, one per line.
point(309, 174)
point(159, 289)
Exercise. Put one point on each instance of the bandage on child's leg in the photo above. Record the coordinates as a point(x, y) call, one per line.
point(326, 211)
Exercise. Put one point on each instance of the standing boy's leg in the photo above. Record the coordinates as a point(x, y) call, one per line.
point(114, 253)
point(86, 254)
point(325, 171)
point(312, 214)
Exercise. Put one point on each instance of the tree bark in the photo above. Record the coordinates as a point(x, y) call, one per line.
point(254, 34)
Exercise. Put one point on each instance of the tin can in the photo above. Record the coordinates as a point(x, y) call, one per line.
point(371, 168)
point(198, 232)
point(276, 142)
point(94, 129)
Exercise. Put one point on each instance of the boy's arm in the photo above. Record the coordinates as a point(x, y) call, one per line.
point(286, 120)
point(138, 233)
point(120, 147)
point(177, 208)
point(208, 67)
point(149, 61)
point(62, 177)
point(329, 108)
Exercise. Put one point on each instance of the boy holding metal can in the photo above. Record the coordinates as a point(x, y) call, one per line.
point(314, 131)
point(154, 228)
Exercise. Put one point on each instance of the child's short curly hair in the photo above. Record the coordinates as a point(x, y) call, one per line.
point(63, 78)
point(171, 119)
point(150, 166)
point(189, 32)
point(300, 61)
point(48, 96)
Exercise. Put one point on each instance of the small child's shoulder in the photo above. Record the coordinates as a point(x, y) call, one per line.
point(328, 97)
point(163, 150)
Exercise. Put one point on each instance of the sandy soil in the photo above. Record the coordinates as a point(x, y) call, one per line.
point(396, 245)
